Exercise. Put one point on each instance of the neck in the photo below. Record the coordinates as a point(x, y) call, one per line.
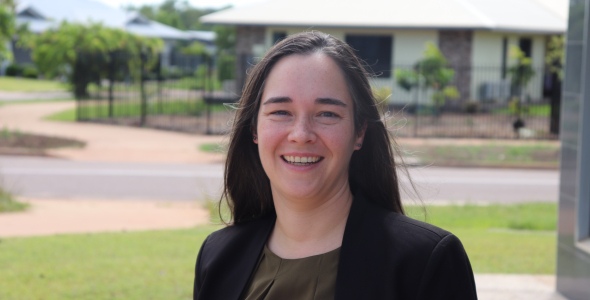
point(311, 227)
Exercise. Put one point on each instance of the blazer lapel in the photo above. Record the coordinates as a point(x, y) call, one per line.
point(351, 266)
point(250, 254)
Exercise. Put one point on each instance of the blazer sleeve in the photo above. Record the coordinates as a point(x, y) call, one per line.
point(448, 274)
point(198, 272)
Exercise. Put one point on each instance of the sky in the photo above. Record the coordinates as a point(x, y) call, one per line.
point(195, 3)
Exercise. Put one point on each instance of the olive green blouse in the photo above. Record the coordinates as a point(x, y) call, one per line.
point(308, 278)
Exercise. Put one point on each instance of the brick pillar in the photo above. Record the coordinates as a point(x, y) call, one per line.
point(456, 46)
point(246, 37)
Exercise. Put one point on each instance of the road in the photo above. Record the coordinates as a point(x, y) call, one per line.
point(66, 179)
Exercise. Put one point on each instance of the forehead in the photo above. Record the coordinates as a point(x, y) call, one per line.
point(307, 77)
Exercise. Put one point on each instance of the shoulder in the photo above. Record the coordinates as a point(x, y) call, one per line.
point(234, 237)
point(403, 228)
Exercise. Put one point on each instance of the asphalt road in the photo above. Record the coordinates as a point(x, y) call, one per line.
point(64, 179)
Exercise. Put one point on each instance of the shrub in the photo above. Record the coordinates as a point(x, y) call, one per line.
point(30, 72)
point(14, 70)
point(225, 67)
point(471, 107)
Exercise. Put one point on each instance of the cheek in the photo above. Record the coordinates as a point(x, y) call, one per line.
point(340, 139)
point(269, 136)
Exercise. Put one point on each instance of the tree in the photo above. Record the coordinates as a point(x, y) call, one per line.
point(7, 28)
point(555, 58)
point(83, 52)
point(432, 72)
point(175, 14)
point(225, 41)
point(521, 74)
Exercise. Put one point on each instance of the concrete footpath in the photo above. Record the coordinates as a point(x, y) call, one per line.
point(109, 143)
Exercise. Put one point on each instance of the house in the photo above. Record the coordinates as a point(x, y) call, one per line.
point(474, 35)
point(41, 15)
point(207, 38)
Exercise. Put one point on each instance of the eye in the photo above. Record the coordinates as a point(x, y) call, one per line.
point(280, 113)
point(328, 114)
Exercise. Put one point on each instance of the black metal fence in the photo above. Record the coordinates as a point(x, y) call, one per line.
point(180, 94)
point(487, 106)
point(185, 97)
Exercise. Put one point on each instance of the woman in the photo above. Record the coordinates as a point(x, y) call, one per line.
point(311, 181)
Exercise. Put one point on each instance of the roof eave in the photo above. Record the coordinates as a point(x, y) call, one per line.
point(310, 26)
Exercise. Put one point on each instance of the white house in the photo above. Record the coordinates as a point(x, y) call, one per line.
point(41, 15)
point(474, 35)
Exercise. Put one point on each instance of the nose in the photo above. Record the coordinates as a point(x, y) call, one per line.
point(302, 131)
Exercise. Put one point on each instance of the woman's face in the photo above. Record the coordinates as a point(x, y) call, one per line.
point(305, 131)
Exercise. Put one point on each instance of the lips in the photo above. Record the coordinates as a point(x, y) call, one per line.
point(301, 160)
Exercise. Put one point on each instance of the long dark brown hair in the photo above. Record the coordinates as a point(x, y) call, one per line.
point(372, 169)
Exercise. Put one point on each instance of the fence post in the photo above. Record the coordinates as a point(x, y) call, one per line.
point(143, 105)
point(210, 93)
point(555, 106)
point(160, 79)
point(111, 75)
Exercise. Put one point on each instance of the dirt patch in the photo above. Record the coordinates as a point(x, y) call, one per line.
point(19, 143)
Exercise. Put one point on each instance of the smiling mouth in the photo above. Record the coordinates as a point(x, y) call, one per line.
point(301, 161)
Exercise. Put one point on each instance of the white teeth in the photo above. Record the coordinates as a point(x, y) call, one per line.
point(301, 160)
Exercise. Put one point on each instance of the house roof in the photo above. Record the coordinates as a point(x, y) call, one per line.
point(42, 15)
point(542, 16)
point(200, 35)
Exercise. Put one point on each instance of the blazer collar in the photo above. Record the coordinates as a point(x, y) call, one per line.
point(348, 263)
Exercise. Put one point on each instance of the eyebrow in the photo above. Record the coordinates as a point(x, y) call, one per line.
point(325, 101)
point(277, 100)
point(330, 101)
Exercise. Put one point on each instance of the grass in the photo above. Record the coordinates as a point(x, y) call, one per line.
point(489, 155)
point(542, 110)
point(159, 264)
point(8, 204)
point(63, 116)
point(191, 83)
point(13, 84)
point(170, 107)
point(138, 265)
point(501, 238)
point(213, 148)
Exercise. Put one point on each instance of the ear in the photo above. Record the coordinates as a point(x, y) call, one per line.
point(255, 138)
point(360, 137)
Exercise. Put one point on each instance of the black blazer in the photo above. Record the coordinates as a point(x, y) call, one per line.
point(384, 255)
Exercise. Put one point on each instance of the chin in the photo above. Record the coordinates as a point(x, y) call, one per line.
point(299, 192)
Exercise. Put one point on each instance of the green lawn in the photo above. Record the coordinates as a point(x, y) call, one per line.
point(13, 84)
point(543, 110)
point(160, 264)
point(501, 238)
point(171, 107)
point(190, 83)
point(532, 155)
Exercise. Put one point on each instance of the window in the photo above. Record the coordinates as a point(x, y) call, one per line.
point(375, 50)
point(504, 56)
point(526, 46)
point(277, 36)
